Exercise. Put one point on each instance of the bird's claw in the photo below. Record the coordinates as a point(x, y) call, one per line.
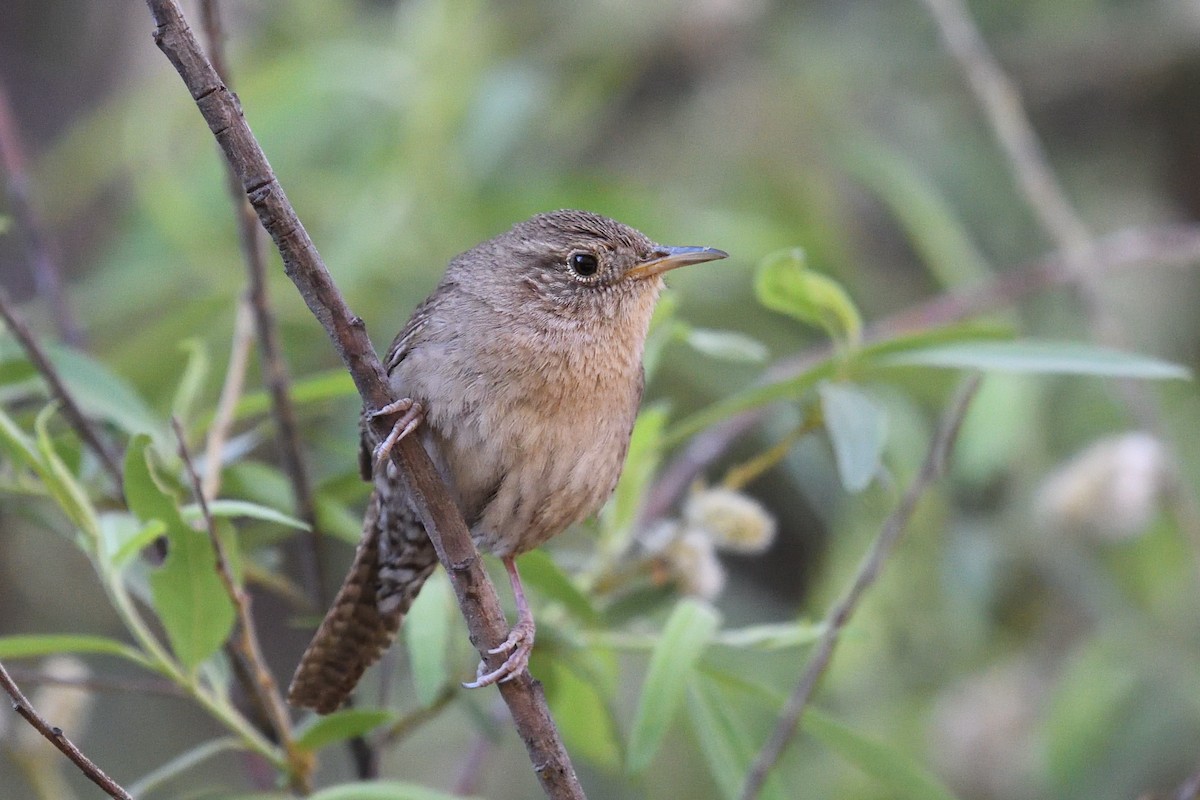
point(519, 645)
point(412, 413)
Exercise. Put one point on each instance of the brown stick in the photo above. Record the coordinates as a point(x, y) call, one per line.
point(866, 575)
point(75, 417)
point(275, 373)
point(302, 263)
point(57, 738)
point(263, 683)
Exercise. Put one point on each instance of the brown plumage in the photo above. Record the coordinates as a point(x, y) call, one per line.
point(526, 365)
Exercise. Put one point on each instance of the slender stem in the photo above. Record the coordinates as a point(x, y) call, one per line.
point(866, 575)
point(57, 738)
point(71, 410)
point(274, 366)
point(263, 684)
point(476, 594)
point(231, 392)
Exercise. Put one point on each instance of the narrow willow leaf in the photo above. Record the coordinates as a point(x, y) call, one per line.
point(795, 387)
point(903, 777)
point(645, 450)
point(36, 645)
point(726, 345)
point(1037, 356)
point(688, 631)
point(182, 763)
point(539, 572)
point(339, 726)
point(314, 388)
point(583, 717)
point(132, 545)
point(383, 790)
point(102, 394)
point(191, 384)
point(771, 636)
point(242, 508)
point(67, 492)
point(189, 596)
point(857, 427)
point(784, 283)
point(727, 747)
point(426, 635)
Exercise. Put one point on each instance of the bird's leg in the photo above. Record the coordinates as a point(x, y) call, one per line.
point(411, 415)
point(519, 643)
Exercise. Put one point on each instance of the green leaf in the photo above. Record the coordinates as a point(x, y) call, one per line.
point(426, 634)
point(191, 384)
point(771, 636)
point(189, 596)
point(857, 427)
point(383, 790)
point(784, 283)
point(36, 645)
point(1037, 356)
point(794, 387)
point(102, 394)
point(582, 716)
point(728, 749)
point(182, 763)
point(688, 631)
point(645, 450)
point(726, 345)
point(339, 726)
point(129, 546)
point(70, 495)
point(242, 508)
point(539, 572)
point(928, 220)
point(326, 385)
point(903, 777)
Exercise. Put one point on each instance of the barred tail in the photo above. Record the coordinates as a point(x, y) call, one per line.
point(366, 613)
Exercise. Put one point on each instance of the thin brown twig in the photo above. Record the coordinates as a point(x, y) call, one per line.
point(57, 738)
point(263, 682)
point(477, 597)
point(275, 374)
point(997, 95)
point(231, 392)
point(71, 410)
point(865, 576)
point(1159, 246)
point(39, 247)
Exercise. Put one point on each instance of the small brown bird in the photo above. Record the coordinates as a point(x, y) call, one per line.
point(522, 373)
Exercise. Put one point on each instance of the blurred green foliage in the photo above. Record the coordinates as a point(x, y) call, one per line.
point(1013, 648)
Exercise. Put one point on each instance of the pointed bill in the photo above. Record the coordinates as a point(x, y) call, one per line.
point(673, 257)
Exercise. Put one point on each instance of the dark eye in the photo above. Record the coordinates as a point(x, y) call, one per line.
point(585, 265)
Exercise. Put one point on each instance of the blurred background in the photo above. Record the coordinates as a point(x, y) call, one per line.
point(1034, 636)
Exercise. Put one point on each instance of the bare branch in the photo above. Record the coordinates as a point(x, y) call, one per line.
point(71, 410)
point(866, 575)
point(43, 262)
point(275, 372)
point(1001, 101)
point(477, 596)
point(57, 738)
point(263, 683)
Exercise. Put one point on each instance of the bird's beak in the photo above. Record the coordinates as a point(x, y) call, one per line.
point(667, 258)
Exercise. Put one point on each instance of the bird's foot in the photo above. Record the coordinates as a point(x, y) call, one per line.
point(411, 414)
point(518, 645)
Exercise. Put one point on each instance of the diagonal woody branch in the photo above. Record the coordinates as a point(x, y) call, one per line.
point(477, 596)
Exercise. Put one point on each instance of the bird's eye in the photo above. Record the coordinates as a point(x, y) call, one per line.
point(585, 265)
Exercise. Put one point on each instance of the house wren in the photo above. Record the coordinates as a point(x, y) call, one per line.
point(522, 375)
